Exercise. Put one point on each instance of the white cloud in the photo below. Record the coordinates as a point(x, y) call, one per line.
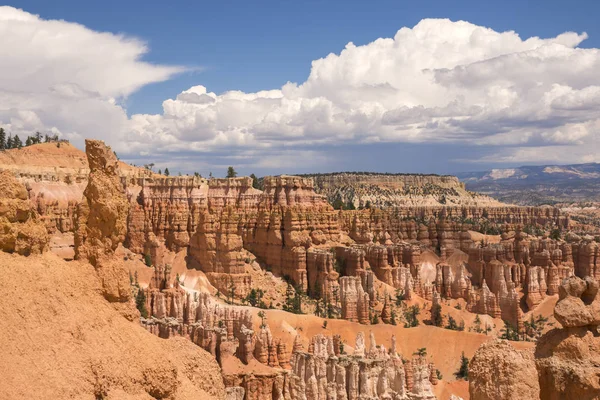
point(440, 81)
point(62, 76)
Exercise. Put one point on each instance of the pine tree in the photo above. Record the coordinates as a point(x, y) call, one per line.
point(9, 142)
point(38, 137)
point(422, 352)
point(231, 173)
point(338, 204)
point(255, 184)
point(509, 332)
point(436, 315)
point(2, 139)
point(140, 302)
point(463, 370)
point(410, 315)
point(28, 142)
point(477, 324)
point(17, 143)
point(166, 171)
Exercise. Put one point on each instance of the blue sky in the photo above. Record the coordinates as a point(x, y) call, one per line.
point(253, 46)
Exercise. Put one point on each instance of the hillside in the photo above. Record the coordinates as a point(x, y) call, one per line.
point(535, 185)
point(56, 159)
point(389, 190)
point(61, 339)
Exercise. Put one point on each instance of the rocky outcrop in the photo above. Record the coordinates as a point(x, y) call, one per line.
point(354, 300)
point(21, 230)
point(377, 373)
point(566, 362)
point(101, 222)
point(102, 215)
point(499, 372)
point(568, 359)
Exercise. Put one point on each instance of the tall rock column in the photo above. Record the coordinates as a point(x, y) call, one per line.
point(101, 222)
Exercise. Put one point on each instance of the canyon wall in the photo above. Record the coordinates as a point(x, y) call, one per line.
point(396, 190)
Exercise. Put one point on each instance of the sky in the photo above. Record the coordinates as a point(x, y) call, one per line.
point(275, 87)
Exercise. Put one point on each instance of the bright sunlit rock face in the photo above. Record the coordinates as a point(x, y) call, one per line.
point(440, 81)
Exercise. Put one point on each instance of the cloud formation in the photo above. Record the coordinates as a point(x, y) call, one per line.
point(535, 100)
point(63, 77)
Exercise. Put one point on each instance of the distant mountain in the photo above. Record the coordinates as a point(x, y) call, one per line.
point(538, 184)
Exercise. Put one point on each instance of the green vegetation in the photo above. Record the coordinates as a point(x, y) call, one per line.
point(509, 332)
point(140, 302)
point(436, 315)
point(293, 301)
point(453, 326)
point(254, 298)
point(255, 182)
point(463, 370)
point(231, 173)
point(535, 326)
point(422, 352)
point(410, 316)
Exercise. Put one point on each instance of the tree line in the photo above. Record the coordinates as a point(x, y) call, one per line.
point(15, 142)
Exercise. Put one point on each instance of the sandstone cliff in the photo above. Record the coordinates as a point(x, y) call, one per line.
point(393, 190)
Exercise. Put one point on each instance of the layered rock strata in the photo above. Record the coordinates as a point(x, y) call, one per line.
point(21, 230)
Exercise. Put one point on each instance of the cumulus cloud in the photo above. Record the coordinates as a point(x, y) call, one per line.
point(63, 77)
point(440, 81)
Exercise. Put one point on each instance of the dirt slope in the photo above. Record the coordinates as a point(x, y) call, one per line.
point(60, 339)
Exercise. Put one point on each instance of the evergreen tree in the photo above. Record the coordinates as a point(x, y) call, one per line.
point(350, 205)
point(231, 173)
point(452, 325)
point(160, 172)
point(166, 171)
point(255, 184)
point(368, 204)
point(2, 139)
point(422, 352)
point(509, 332)
point(38, 137)
point(28, 141)
point(17, 143)
point(293, 301)
point(140, 302)
point(9, 142)
point(477, 324)
point(463, 370)
point(410, 315)
point(399, 297)
point(436, 315)
point(338, 204)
